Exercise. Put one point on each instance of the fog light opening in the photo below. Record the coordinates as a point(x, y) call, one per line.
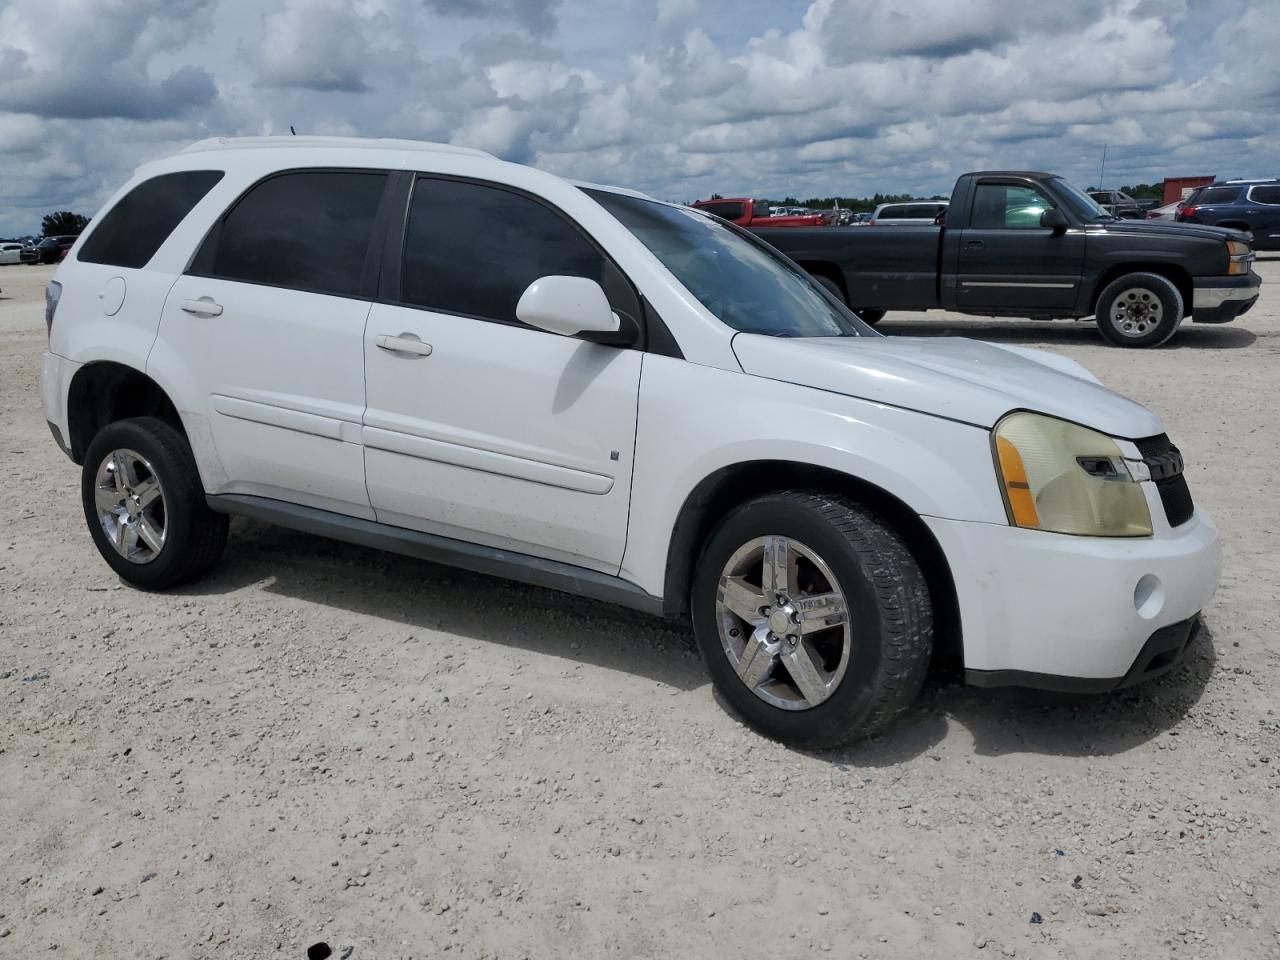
point(1148, 596)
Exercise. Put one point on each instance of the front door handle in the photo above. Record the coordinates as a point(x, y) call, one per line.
point(973, 244)
point(204, 307)
point(404, 344)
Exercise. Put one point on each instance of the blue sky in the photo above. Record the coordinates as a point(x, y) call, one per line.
point(676, 97)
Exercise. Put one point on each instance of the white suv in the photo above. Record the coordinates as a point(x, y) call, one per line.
point(426, 349)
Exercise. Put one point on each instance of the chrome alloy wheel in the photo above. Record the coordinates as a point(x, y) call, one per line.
point(783, 622)
point(130, 505)
point(1137, 312)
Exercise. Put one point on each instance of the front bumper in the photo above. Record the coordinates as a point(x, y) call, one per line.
point(1220, 299)
point(1075, 613)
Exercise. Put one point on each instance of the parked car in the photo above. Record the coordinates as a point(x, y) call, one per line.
point(746, 212)
point(841, 504)
point(51, 249)
point(911, 214)
point(1029, 244)
point(10, 252)
point(1249, 205)
point(1118, 204)
point(1168, 212)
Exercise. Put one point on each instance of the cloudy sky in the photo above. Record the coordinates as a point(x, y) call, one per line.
point(679, 97)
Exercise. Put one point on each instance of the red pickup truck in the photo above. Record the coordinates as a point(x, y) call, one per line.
point(755, 213)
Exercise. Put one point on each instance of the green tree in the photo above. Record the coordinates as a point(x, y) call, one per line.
point(64, 223)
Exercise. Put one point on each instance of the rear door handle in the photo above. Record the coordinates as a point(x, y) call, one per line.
point(204, 307)
point(973, 244)
point(405, 343)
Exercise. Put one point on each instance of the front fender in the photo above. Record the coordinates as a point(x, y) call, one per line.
point(695, 421)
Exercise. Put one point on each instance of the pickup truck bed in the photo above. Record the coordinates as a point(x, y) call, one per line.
point(1028, 244)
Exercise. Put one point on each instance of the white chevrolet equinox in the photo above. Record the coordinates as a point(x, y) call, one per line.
point(426, 349)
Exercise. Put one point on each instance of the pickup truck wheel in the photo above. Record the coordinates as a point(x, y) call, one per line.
point(145, 504)
point(813, 617)
point(871, 317)
point(1139, 310)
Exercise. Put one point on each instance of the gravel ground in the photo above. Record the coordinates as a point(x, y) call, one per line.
point(326, 743)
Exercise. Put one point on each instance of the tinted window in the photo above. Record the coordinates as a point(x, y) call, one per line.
point(474, 249)
point(892, 213)
point(737, 277)
point(1008, 206)
point(309, 231)
point(1217, 195)
point(730, 211)
point(133, 230)
point(927, 212)
point(1265, 194)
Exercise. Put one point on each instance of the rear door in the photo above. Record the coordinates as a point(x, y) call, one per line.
point(1007, 261)
point(479, 427)
point(269, 324)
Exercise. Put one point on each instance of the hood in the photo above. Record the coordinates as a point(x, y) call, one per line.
point(1167, 228)
point(965, 380)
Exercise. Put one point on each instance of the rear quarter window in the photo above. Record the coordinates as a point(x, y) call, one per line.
point(131, 232)
point(1210, 195)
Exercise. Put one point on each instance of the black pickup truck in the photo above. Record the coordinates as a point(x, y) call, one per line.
point(1020, 243)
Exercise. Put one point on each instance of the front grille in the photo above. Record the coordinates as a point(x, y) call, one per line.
point(1165, 462)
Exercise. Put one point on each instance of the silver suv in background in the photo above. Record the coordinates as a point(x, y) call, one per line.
point(911, 214)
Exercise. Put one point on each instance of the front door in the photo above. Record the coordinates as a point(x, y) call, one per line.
point(479, 427)
point(266, 330)
point(1008, 261)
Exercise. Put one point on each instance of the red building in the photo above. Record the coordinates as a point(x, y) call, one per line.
point(1177, 188)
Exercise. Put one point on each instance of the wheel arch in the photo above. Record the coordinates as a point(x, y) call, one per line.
point(1172, 272)
point(103, 392)
point(729, 486)
point(825, 268)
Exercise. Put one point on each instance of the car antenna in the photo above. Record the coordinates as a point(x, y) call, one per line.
point(292, 131)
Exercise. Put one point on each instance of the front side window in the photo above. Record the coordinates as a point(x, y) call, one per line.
point(309, 230)
point(1008, 206)
point(738, 278)
point(133, 230)
point(1265, 194)
point(473, 249)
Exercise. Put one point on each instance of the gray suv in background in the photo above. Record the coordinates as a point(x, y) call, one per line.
point(912, 214)
point(1252, 205)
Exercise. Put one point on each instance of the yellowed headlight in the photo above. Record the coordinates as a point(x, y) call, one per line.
point(1239, 257)
point(1065, 478)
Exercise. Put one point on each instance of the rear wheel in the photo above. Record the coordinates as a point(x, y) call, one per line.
point(871, 317)
point(145, 505)
point(1139, 310)
point(866, 316)
point(813, 617)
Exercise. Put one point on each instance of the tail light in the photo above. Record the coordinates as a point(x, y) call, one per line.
point(1187, 211)
point(52, 294)
point(871, 223)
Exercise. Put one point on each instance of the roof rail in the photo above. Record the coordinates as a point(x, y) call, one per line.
point(351, 143)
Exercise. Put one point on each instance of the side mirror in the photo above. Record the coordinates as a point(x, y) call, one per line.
point(567, 306)
point(1055, 220)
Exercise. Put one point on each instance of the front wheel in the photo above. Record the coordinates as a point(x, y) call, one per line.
point(813, 617)
point(145, 504)
point(1139, 310)
point(871, 317)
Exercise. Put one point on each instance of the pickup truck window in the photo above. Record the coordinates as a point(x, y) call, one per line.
point(1079, 202)
point(738, 278)
point(1008, 206)
point(730, 211)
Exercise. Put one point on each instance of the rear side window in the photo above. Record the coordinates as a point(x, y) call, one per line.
point(892, 213)
point(132, 231)
point(1265, 194)
point(1217, 195)
point(309, 230)
point(473, 249)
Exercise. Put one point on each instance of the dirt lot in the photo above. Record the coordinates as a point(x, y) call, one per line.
point(325, 743)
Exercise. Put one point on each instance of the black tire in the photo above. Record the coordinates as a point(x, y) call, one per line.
point(870, 317)
point(889, 615)
point(830, 286)
point(1122, 328)
point(194, 536)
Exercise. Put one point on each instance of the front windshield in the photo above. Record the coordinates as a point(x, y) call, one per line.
point(740, 279)
point(1080, 203)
